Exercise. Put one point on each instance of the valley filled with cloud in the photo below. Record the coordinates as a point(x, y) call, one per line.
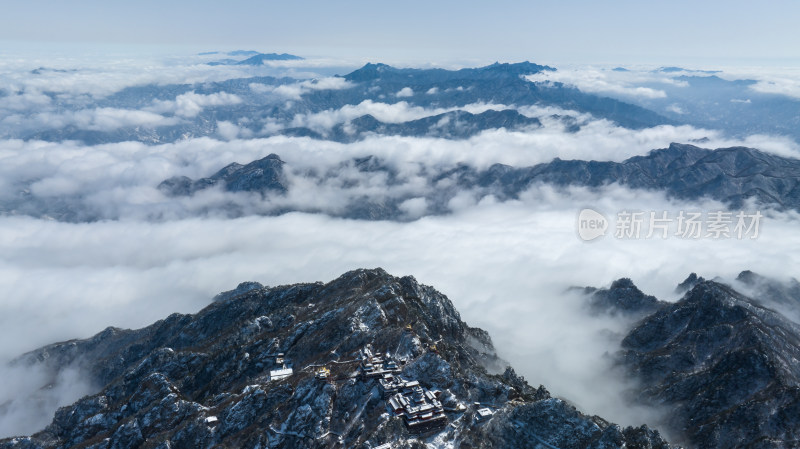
point(89, 238)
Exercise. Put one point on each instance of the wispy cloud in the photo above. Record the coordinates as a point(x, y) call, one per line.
point(607, 81)
point(296, 90)
point(405, 93)
point(781, 86)
point(191, 104)
point(99, 119)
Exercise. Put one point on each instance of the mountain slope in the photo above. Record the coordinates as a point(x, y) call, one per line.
point(263, 175)
point(725, 366)
point(494, 84)
point(217, 378)
point(731, 175)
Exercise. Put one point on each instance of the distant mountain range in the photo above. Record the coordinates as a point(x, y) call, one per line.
point(713, 100)
point(730, 175)
point(449, 125)
point(500, 84)
point(700, 98)
point(374, 188)
point(254, 58)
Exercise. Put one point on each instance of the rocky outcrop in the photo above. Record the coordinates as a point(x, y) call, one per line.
point(688, 283)
point(623, 297)
point(264, 175)
point(211, 379)
point(724, 365)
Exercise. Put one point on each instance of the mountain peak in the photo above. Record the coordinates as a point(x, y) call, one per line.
point(688, 283)
point(722, 362)
point(310, 365)
point(622, 297)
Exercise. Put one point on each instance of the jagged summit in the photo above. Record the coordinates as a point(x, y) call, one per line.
point(623, 297)
point(264, 175)
point(688, 283)
point(364, 360)
point(772, 290)
point(726, 366)
point(730, 175)
point(722, 363)
point(782, 295)
point(372, 71)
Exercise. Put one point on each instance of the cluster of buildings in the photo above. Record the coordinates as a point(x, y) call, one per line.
point(420, 408)
point(374, 366)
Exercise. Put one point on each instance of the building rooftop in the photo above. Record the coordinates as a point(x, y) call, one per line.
point(484, 413)
point(420, 408)
point(281, 373)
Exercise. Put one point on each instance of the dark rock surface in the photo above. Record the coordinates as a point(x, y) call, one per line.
point(688, 283)
point(731, 175)
point(623, 297)
point(201, 380)
point(724, 365)
point(263, 175)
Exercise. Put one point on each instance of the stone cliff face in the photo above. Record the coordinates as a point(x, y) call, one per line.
point(221, 378)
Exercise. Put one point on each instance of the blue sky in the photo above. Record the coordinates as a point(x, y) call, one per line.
point(577, 31)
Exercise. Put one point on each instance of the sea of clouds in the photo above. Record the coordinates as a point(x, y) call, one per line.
point(505, 265)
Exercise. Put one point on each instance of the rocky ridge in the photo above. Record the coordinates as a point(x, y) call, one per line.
point(723, 364)
point(733, 176)
point(210, 379)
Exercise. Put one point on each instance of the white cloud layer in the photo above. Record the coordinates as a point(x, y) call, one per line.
point(191, 104)
point(405, 93)
point(98, 76)
point(507, 268)
point(780, 86)
point(296, 90)
point(99, 119)
point(119, 180)
point(602, 81)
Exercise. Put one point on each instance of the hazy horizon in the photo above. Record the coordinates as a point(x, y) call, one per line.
point(580, 31)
